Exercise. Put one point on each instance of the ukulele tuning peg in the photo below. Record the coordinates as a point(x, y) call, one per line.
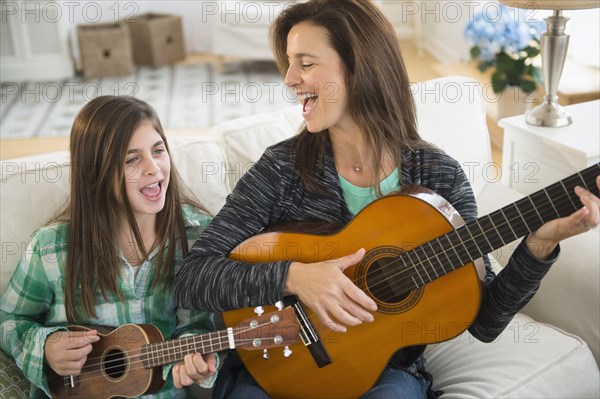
point(287, 352)
point(265, 354)
point(279, 305)
point(259, 310)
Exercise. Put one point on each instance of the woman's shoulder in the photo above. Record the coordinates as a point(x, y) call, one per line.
point(281, 152)
point(430, 158)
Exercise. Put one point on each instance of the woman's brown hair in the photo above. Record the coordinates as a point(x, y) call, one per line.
point(379, 95)
point(98, 144)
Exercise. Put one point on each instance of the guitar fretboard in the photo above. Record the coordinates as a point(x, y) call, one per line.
point(471, 241)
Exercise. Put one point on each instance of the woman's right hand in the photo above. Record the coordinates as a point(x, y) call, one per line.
point(331, 295)
point(66, 351)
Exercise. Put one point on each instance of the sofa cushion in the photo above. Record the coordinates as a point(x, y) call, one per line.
point(201, 165)
point(528, 360)
point(451, 115)
point(245, 139)
point(32, 191)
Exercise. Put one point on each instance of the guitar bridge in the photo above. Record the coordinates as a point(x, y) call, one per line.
point(308, 334)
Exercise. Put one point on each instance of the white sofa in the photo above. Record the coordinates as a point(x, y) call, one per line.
point(550, 349)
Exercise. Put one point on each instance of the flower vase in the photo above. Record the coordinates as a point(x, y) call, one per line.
point(513, 101)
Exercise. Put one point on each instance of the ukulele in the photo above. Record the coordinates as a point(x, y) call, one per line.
point(127, 361)
point(422, 267)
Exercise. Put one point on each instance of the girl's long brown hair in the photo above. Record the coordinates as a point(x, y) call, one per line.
point(98, 144)
point(380, 97)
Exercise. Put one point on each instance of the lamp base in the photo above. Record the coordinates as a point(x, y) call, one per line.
point(549, 114)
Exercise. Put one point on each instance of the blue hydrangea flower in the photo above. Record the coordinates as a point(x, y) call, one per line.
point(505, 39)
point(505, 30)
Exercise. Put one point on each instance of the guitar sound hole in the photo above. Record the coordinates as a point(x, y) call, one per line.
point(383, 281)
point(115, 364)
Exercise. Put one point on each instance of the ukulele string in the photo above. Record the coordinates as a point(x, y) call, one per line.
point(407, 285)
point(88, 365)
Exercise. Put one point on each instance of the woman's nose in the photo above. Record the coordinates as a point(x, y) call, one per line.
point(292, 77)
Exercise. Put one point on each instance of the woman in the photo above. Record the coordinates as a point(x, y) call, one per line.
point(110, 257)
point(359, 141)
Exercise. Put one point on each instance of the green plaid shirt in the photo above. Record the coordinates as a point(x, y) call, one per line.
point(33, 305)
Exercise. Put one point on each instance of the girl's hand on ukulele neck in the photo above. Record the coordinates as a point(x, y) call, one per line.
point(194, 369)
point(331, 295)
point(66, 351)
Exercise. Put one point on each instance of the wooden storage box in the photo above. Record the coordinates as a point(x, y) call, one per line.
point(157, 39)
point(105, 50)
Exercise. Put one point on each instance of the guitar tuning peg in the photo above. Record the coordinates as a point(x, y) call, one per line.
point(266, 354)
point(287, 352)
point(279, 305)
point(259, 310)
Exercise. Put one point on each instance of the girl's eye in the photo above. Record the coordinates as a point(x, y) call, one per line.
point(159, 151)
point(131, 160)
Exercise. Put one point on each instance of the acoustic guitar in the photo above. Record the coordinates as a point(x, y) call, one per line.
point(127, 361)
point(420, 269)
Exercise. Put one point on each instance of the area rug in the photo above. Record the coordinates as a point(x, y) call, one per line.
point(184, 96)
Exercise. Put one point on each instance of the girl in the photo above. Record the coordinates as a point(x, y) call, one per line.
point(110, 257)
point(359, 141)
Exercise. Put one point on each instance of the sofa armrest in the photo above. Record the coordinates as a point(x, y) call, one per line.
point(569, 296)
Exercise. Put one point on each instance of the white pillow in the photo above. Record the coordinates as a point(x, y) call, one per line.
point(245, 139)
point(528, 360)
point(201, 165)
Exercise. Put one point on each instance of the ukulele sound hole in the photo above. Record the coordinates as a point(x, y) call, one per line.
point(115, 364)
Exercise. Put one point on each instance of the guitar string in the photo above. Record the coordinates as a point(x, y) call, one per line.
point(560, 203)
point(221, 339)
point(421, 264)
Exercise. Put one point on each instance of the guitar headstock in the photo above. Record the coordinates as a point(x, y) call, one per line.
point(269, 330)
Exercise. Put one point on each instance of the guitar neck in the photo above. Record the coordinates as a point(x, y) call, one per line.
point(174, 350)
point(480, 237)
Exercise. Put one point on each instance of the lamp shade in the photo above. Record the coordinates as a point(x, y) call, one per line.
point(552, 4)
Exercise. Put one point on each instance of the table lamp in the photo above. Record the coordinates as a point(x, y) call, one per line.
point(554, 46)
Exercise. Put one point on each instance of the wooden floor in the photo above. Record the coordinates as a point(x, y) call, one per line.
point(420, 65)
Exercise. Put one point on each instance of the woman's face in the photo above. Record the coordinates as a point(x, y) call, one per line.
point(316, 74)
point(147, 171)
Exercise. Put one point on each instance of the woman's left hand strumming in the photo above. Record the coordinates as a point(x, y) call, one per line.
point(543, 241)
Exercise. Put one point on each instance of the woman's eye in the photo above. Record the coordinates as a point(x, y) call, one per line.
point(159, 151)
point(131, 160)
point(307, 65)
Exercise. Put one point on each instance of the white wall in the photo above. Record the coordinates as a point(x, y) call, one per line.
point(439, 25)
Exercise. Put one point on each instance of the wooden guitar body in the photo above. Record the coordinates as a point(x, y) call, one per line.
point(112, 366)
point(407, 316)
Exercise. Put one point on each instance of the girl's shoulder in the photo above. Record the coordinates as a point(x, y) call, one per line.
point(194, 217)
point(53, 234)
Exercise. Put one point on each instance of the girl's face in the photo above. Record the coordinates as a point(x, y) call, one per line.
point(316, 74)
point(147, 171)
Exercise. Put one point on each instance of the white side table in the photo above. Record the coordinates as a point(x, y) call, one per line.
point(535, 157)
